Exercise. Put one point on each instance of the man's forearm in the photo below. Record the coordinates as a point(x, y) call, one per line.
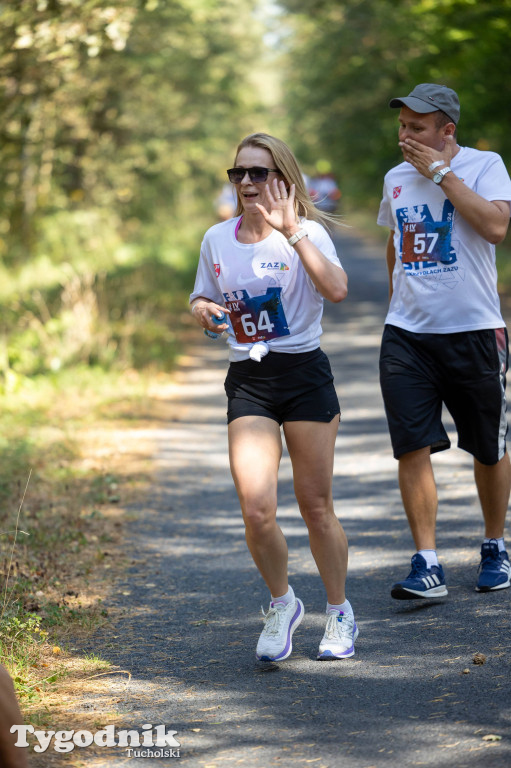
point(490, 219)
point(391, 260)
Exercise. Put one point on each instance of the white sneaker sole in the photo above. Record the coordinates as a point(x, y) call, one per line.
point(329, 655)
point(505, 585)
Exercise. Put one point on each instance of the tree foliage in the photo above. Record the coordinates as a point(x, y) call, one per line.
point(119, 117)
point(117, 104)
point(349, 58)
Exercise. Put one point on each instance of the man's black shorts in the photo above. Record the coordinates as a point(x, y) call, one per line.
point(466, 371)
point(283, 387)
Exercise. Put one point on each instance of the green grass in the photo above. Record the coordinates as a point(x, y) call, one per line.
point(87, 318)
point(20, 641)
point(84, 325)
point(53, 528)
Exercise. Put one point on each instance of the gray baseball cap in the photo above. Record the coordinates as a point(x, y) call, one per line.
point(430, 97)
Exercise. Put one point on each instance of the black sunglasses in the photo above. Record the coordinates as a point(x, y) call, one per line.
point(256, 174)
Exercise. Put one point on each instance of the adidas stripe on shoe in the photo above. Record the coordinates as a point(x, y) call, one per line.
point(421, 582)
point(494, 568)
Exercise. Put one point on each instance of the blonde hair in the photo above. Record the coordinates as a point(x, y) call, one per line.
point(287, 164)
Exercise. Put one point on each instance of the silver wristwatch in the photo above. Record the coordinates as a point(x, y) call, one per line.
point(439, 175)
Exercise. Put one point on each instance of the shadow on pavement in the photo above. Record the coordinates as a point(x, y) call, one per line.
point(188, 619)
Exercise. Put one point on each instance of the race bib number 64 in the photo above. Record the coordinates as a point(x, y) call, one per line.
point(259, 318)
point(426, 241)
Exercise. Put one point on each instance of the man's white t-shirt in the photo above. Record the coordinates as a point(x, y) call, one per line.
point(269, 293)
point(445, 278)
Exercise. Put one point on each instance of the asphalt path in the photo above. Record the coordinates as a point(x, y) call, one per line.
point(188, 616)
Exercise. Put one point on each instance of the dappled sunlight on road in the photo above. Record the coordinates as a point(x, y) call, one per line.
point(189, 611)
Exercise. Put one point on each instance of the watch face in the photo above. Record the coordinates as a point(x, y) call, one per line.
point(439, 175)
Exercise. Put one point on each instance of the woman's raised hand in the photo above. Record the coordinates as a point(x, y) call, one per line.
point(279, 209)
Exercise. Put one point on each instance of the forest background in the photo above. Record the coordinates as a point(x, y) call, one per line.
point(119, 118)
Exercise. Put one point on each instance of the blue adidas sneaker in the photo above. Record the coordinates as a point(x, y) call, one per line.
point(494, 568)
point(421, 581)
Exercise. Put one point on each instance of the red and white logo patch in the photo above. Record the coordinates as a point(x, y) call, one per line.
point(396, 192)
point(217, 270)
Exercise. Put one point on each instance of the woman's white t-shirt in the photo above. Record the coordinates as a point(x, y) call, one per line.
point(269, 293)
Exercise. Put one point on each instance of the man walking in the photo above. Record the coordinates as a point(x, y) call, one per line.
point(445, 340)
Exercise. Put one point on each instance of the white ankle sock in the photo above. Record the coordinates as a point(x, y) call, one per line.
point(500, 542)
point(429, 556)
point(344, 607)
point(284, 599)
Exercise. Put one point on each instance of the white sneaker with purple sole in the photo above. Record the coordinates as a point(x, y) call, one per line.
point(339, 639)
point(280, 621)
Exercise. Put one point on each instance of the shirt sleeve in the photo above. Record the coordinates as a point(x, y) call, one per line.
point(385, 217)
point(494, 183)
point(322, 240)
point(206, 282)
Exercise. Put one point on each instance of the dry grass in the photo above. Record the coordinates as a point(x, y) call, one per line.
point(65, 571)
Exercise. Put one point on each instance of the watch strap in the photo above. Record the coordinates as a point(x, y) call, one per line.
point(440, 174)
point(297, 236)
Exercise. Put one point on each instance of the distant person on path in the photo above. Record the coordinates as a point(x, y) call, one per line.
point(323, 188)
point(225, 202)
point(270, 268)
point(445, 340)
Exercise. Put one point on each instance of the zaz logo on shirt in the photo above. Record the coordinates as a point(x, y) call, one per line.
point(217, 270)
point(274, 266)
point(396, 192)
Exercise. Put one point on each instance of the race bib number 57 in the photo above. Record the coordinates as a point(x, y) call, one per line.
point(259, 318)
point(426, 241)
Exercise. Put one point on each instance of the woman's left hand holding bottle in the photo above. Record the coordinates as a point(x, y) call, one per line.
point(204, 312)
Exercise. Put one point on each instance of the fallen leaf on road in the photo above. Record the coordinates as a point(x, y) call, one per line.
point(492, 737)
point(479, 658)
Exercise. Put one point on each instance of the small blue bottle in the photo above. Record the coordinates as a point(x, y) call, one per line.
point(217, 321)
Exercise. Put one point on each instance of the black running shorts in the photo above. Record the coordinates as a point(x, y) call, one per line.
point(466, 371)
point(283, 387)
